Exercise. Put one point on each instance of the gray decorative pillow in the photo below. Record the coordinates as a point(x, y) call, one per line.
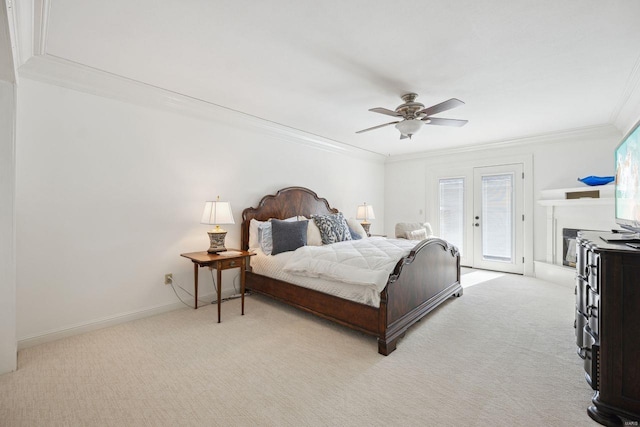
point(288, 236)
point(333, 228)
point(264, 233)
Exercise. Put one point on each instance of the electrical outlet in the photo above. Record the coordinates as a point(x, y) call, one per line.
point(168, 278)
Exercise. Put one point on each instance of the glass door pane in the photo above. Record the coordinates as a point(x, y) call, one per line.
point(452, 211)
point(497, 219)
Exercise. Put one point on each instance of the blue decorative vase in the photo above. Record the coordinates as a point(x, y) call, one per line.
point(597, 180)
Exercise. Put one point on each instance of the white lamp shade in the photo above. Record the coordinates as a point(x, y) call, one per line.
point(217, 213)
point(365, 212)
point(410, 126)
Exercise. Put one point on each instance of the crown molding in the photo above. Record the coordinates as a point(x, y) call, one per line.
point(585, 133)
point(62, 72)
point(23, 21)
point(627, 112)
point(41, 9)
point(8, 43)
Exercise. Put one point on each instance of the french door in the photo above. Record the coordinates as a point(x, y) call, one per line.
point(481, 212)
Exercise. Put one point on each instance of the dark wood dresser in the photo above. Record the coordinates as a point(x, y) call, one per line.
point(608, 326)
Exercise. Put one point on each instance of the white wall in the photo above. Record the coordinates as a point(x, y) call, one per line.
point(558, 160)
point(8, 348)
point(110, 193)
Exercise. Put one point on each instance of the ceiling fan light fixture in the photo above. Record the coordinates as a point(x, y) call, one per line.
point(409, 127)
point(411, 115)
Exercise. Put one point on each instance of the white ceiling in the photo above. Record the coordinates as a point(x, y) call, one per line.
point(522, 67)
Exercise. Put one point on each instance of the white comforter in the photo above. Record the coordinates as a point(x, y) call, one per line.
point(363, 262)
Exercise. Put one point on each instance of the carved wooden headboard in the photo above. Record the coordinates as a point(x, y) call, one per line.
point(284, 204)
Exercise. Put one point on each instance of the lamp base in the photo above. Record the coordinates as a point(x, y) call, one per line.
point(366, 226)
point(216, 240)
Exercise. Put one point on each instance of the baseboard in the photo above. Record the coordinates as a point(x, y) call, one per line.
point(560, 275)
point(105, 322)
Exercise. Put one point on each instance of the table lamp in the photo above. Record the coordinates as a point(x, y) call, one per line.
point(365, 212)
point(216, 213)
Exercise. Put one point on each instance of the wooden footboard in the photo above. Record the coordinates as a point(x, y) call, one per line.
point(420, 282)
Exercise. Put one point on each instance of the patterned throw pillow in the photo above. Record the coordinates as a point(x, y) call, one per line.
point(333, 228)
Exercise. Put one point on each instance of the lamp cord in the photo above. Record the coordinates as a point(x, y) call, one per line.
point(188, 293)
point(234, 296)
point(237, 293)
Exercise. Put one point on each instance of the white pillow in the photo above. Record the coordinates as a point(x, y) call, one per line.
point(357, 227)
point(314, 238)
point(420, 234)
point(254, 240)
point(403, 227)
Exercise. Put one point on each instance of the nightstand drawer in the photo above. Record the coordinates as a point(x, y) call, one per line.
point(230, 263)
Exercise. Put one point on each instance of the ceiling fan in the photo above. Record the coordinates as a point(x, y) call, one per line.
point(414, 115)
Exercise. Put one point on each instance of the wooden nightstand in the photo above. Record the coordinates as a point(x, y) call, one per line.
point(222, 261)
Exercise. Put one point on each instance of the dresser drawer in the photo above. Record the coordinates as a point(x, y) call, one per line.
point(593, 313)
point(591, 357)
point(581, 261)
point(582, 295)
point(593, 265)
point(580, 323)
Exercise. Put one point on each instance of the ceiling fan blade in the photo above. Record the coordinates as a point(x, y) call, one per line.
point(444, 122)
point(443, 106)
point(385, 111)
point(378, 127)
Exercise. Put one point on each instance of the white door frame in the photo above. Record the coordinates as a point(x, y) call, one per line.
point(449, 166)
point(515, 265)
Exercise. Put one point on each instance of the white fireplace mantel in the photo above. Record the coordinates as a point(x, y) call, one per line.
point(587, 213)
point(576, 202)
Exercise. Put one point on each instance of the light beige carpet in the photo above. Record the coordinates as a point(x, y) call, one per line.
point(501, 355)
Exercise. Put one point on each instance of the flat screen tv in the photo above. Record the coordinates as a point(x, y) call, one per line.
point(628, 181)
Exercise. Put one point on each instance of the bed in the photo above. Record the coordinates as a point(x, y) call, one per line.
point(419, 282)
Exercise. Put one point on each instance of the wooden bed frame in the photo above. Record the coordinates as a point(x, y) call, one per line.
point(419, 283)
